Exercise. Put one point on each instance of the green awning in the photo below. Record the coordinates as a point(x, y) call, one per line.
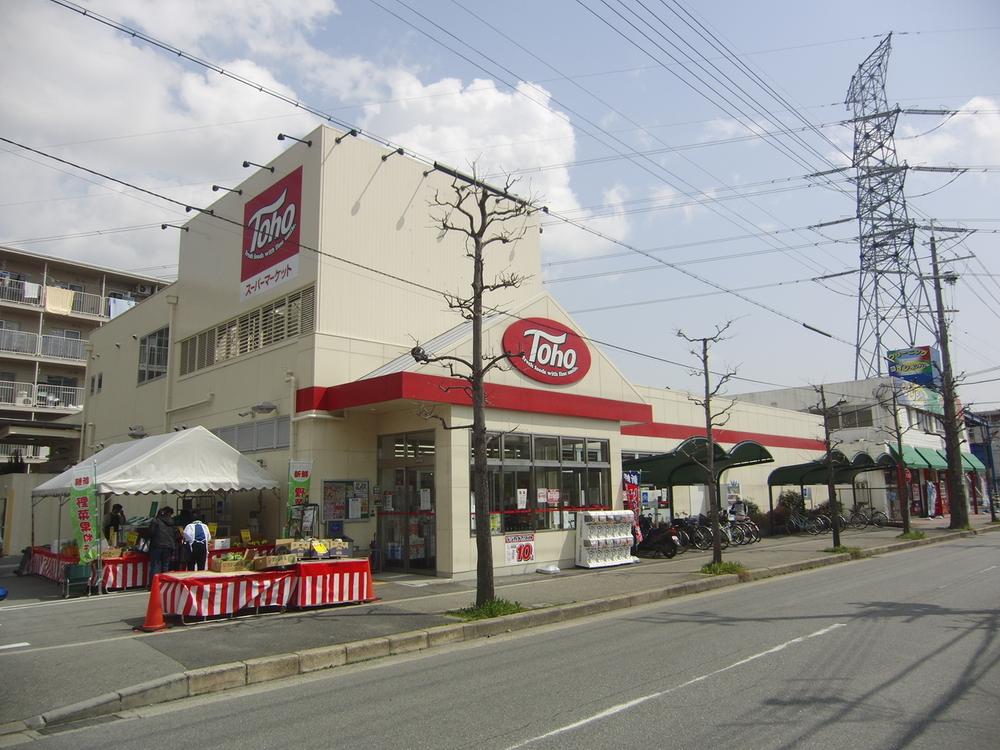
point(817, 472)
point(685, 464)
point(971, 462)
point(911, 457)
point(934, 459)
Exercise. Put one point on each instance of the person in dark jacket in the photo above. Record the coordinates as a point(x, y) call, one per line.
point(162, 542)
point(114, 522)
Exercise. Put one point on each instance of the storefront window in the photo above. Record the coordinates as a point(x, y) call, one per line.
point(516, 447)
point(546, 448)
point(572, 449)
point(546, 491)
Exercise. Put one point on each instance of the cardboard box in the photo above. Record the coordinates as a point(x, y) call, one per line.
point(266, 562)
point(218, 565)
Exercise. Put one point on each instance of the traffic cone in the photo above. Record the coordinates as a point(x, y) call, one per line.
point(154, 610)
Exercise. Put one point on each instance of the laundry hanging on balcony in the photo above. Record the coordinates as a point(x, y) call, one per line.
point(59, 300)
point(117, 306)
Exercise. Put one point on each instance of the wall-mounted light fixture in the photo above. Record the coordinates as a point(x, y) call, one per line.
point(217, 188)
point(264, 407)
point(136, 431)
point(339, 138)
point(397, 151)
point(261, 166)
point(174, 226)
point(283, 136)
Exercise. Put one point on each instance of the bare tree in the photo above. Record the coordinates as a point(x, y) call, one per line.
point(887, 395)
point(712, 419)
point(828, 444)
point(484, 216)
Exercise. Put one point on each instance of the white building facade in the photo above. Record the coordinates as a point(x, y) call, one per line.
point(299, 297)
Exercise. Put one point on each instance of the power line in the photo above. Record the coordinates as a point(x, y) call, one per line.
point(263, 89)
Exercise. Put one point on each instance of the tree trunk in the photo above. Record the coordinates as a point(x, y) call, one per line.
point(485, 591)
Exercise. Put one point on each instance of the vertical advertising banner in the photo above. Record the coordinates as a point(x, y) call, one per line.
point(272, 224)
point(631, 501)
point(83, 501)
point(299, 476)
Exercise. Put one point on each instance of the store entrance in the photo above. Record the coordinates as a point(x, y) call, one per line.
point(407, 528)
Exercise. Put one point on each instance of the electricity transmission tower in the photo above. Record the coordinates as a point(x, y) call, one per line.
point(893, 303)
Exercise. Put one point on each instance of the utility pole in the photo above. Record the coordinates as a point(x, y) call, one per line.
point(830, 484)
point(956, 481)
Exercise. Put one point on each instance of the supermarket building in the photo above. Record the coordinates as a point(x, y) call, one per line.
point(288, 332)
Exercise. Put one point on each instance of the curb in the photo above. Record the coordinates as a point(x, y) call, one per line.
point(223, 677)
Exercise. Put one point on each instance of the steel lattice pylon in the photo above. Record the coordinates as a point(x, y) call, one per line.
point(893, 303)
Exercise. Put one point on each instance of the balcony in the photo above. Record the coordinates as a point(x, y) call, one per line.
point(41, 396)
point(62, 301)
point(49, 347)
point(30, 454)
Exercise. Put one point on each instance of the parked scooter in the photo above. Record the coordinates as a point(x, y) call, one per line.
point(658, 540)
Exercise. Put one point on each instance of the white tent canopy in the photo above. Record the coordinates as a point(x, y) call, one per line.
point(192, 460)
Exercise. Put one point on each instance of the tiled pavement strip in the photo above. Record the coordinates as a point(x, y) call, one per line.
point(564, 596)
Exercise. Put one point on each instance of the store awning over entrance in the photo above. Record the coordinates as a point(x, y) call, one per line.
point(911, 458)
point(685, 464)
point(934, 459)
point(817, 472)
point(972, 463)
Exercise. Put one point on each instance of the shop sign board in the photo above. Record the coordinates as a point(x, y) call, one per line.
point(86, 514)
point(519, 548)
point(918, 364)
point(547, 351)
point(272, 224)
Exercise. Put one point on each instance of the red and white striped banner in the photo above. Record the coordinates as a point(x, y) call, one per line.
point(125, 572)
point(335, 582)
point(224, 595)
point(49, 565)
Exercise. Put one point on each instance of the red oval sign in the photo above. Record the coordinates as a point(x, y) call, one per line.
point(547, 351)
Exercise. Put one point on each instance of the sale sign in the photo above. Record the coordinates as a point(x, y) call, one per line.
point(86, 515)
point(519, 548)
point(272, 224)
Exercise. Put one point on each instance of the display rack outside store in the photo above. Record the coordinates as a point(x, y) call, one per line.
point(604, 538)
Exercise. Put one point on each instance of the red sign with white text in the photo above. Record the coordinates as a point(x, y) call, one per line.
point(271, 227)
point(548, 351)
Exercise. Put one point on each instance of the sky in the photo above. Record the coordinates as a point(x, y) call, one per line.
point(677, 136)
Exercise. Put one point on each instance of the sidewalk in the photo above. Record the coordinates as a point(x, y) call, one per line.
point(44, 638)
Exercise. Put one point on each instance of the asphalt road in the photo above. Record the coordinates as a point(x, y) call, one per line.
point(888, 652)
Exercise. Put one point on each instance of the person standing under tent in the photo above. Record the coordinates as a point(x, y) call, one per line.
point(162, 542)
point(196, 537)
point(113, 524)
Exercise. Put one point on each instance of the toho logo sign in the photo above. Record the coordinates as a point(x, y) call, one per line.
point(549, 351)
point(271, 228)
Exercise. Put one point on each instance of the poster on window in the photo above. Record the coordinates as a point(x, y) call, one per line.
point(519, 548)
point(334, 501)
point(552, 497)
point(346, 499)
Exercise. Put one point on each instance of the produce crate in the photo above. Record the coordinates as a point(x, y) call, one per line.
point(218, 565)
point(274, 561)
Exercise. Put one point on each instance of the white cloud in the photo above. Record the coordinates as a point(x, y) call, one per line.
point(963, 140)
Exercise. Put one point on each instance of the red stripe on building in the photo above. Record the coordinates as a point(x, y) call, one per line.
point(413, 386)
point(682, 432)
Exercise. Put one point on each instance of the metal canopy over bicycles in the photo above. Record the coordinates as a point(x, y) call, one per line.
point(685, 464)
point(815, 472)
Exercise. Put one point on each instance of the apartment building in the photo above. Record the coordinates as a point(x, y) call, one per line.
point(48, 309)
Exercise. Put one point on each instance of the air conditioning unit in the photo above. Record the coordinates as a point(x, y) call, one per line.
point(25, 400)
point(144, 289)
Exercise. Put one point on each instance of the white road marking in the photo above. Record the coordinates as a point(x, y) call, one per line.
point(986, 570)
point(637, 701)
point(15, 645)
point(92, 599)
